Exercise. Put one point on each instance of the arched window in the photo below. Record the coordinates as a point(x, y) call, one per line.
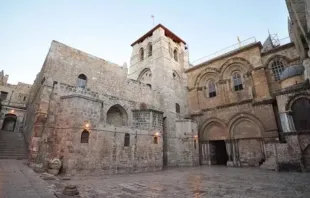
point(82, 81)
point(175, 55)
point(150, 49)
point(211, 89)
point(155, 140)
point(277, 68)
point(301, 114)
point(84, 136)
point(141, 54)
point(117, 116)
point(126, 139)
point(145, 76)
point(237, 81)
point(177, 108)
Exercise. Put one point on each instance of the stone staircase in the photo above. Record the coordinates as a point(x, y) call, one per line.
point(269, 164)
point(12, 145)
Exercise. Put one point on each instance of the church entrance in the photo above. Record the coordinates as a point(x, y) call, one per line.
point(218, 152)
point(213, 152)
point(9, 122)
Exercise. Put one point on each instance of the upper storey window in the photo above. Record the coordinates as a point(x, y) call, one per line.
point(175, 55)
point(141, 54)
point(211, 89)
point(82, 81)
point(237, 80)
point(150, 49)
point(277, 68)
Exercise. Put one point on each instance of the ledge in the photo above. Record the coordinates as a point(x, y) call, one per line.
point(253, 102)
point(299, 87)
point(228, 54)
point(81, 96)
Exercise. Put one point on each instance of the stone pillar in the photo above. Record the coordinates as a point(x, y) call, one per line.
point(236, 160)
point(228, 146)
point(287, 122)
point(306, 64)
point(208, 154)
point(229, 153)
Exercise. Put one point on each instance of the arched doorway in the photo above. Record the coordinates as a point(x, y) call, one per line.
point(212, 144)
point(246, 133)
point(301, 114)
point(218, 152)
point(9, 122)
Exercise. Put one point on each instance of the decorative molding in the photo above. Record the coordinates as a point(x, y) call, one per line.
point(297, 88)
point(81, 96)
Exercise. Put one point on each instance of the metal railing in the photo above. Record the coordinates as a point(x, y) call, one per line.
point(284, 41)
point(224, 51)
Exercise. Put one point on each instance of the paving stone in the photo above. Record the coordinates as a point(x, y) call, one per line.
point(18, 180)
point(204, 181)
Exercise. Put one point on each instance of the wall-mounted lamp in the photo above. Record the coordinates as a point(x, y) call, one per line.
point(156, 134)
point(86, 125)
point(12, 111)
point(195, 136)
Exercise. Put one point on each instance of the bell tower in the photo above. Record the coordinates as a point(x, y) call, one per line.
point(159, 59)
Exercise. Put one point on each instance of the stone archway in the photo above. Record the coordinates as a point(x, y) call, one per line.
point(117, 116)
point(9, 122)
point(301, 113)
point(246, 134)
point(212, 143)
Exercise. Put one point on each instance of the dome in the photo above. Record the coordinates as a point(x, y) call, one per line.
point(293, 70)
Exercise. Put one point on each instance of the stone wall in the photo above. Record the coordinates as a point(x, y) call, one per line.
point(105, 153)
point(186, 141)
point(57, 117)
point(247, 61)
point(292, 155)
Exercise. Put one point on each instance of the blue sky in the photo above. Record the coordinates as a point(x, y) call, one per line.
point(107, 28)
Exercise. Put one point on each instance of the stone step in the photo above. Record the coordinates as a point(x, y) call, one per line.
point(12, 145)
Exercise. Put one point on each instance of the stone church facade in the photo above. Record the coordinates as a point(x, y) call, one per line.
point(246, 107)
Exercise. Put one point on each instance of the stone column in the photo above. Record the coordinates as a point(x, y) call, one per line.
point(208, 153)
point(228, 146)
point(287, 122)
point(234, 157)
point(306, 64)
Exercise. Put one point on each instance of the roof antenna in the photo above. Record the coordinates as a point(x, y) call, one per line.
point(152, 16)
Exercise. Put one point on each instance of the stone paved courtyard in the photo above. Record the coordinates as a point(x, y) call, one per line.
point(194, 182)
point(17, 180)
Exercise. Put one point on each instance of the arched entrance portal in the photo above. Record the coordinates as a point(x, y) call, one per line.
point(9, 122)
point(301, 114)
point(212, 144)
point(218, 152)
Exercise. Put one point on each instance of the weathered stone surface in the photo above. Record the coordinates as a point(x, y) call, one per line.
point(70, 190)
point(204, 181)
